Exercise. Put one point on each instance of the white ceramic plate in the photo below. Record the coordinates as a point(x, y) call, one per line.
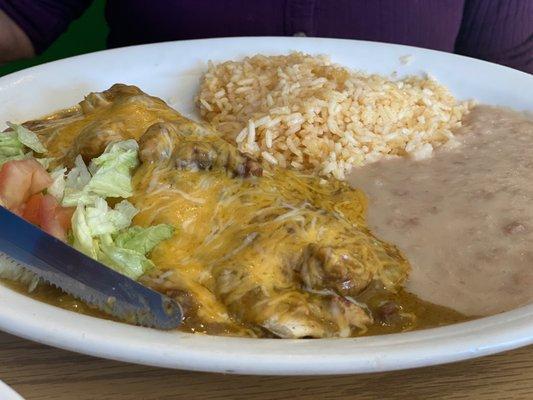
point(171, 71)
point(6, 393)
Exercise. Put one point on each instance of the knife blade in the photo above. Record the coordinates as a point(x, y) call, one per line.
point(84, 278)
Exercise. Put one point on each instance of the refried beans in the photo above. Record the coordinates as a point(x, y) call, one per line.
point(463, 218)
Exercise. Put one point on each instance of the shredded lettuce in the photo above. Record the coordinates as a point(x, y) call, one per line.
point(45, 162)
point(77, 179)
point(15, 143)
point(103, 220)
point(27, 138)
point(126, 261)
point(142, 239)
point(105, 235)
point(107, 176)
point(79, 176)
point(111, 172)
point(127, 252)
point(10, 145)
point(57, 188)
point(10, 148)
point(98, 219)
point(102, 232)
point(82, 235)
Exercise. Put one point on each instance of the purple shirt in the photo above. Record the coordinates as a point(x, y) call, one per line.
point(500, 31)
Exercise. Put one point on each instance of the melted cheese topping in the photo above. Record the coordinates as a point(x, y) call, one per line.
point(236, 237)
point(130, 116)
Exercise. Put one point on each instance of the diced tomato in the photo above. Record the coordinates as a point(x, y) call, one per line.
point(15, 183)
point(40, 179)
point(21, 186)
point(64, 216)
point(49, 218)
point(32, 209)
point(45, 212)
point(19, 179)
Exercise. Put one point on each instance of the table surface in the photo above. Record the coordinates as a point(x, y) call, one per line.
point(40, 372)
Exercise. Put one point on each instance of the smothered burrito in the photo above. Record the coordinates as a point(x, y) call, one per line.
point(247, 248)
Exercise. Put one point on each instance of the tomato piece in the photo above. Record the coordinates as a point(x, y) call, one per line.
point(45, 212)
point(32, 209)
point(21, 186)
point(40, 178)
point(64, 216)
point(15, 183)
point(19, 179)
point(48, 216)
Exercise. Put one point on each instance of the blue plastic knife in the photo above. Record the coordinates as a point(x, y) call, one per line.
point(84, 278)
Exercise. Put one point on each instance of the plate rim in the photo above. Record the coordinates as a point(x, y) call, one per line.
point(16, 74)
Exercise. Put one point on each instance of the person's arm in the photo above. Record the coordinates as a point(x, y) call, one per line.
point(14, 43)
point(499, 31)
point(28, 27)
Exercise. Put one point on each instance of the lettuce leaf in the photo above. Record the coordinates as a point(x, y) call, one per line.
point(107, 176)
point(44, 161)
point(112, 171)
point(126, 261)
point(143, 240)
point(15, 143)
point(82, 235)
point(10, 148)
point(79, 176)
point(103, 220)
point(105, 234)
point(10, 145)
point(127, 252)
point(76, 181)
point(57, 188)
point(27, 138)
point(100, 219)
